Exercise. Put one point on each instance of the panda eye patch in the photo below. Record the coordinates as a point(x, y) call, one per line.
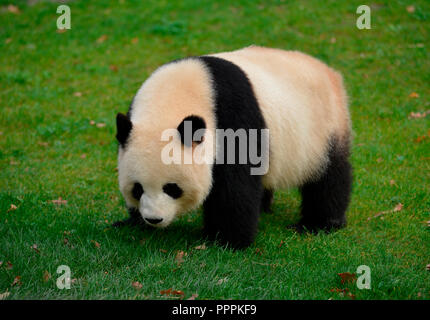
point(137, 191)
point(173, 190)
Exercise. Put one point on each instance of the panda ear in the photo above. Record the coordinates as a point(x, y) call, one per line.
point(123, 128)
point(188, 127)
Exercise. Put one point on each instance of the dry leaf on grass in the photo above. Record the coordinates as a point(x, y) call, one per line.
point(46, 276)
point(428, 267)
point(397, 208)
point(134, 40)
point(414, 95)
point(102, 38)
point(347, 277)
point(17, 281)
point(201, 247)
point(13, 9)
point(343, 292)
point(221, 281)
point(77, 94)
point(12, 207)
point(137, 285)
point(95, 243)
point(9, 265)
point(100, 125)
point(59, 201)
point(410, 9)
point(113, 67)
point(418, 115)
point(177, 293)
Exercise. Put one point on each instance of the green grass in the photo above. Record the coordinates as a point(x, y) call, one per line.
point(45, 129)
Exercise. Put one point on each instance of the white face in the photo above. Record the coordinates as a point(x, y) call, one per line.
point(160, 192)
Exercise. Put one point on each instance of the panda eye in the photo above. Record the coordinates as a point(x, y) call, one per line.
point(137, 191)
point(173, 190)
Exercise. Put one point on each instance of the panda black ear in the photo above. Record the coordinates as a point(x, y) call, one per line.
point(188, 127)
point(123, 128)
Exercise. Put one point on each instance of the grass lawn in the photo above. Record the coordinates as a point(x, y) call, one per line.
point(60, 92)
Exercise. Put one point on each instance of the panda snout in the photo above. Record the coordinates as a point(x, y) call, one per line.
point(153, 221)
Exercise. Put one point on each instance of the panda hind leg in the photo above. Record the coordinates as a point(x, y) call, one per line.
point(325, 200)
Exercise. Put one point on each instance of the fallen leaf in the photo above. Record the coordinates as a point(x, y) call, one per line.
point(201, 247)
point(163, 250)
point(180, 257)
point(113, 67)
point(392, 182)
point(418, 115)
point(61, 30)
point(17, 281)
point(166, 292)
point(59, 201)
point(12, 207)
point(100, 125)
point(8, 40)
point(137, 285)
point(193, 296)
point(102, 38)
point(77, 94)
point(420, 139)
point(83, 156)
point(379, 160)
point(397, 208)
point(410, 9)
point(96, 244)
point(66, 241)
point(34, 247)
point(4, 295)
point(46, 276)
point(134, 40)
point(414, 95)
point(281, 243)
point(13, 9)
point(9, 266)
point(332, 40)
point(221, 281)
point(92, 122)
point(178, 293)
point(347, 277)
point(258, 251)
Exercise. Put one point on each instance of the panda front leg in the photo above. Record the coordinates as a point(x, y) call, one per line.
point(232, 209)
point(325, 200)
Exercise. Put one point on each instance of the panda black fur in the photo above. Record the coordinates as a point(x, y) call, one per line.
point(299, 99)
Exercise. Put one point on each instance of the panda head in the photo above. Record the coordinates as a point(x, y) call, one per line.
point(159, 191)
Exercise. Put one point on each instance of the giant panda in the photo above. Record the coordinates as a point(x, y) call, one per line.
point(300, 100)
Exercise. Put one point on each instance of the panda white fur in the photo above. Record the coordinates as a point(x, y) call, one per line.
point(298, 98)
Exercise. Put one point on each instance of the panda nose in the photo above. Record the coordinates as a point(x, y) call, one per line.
point(153, 221)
